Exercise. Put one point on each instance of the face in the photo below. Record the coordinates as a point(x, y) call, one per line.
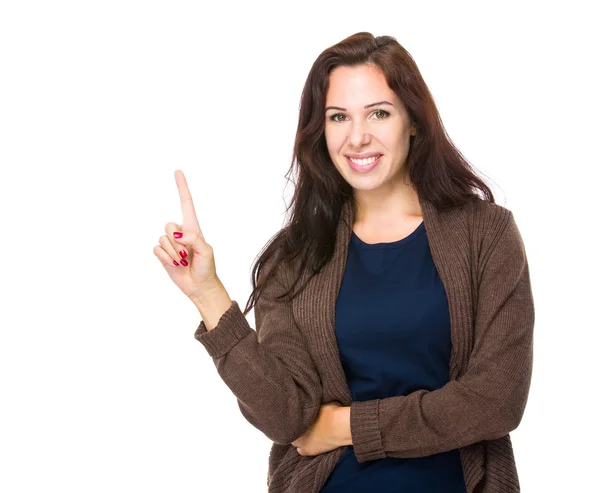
point(356, 126)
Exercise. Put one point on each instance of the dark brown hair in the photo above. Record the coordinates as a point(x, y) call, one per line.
point(436, 168)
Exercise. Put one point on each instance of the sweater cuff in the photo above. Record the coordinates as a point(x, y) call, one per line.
point(364, 428)
point(230, 329)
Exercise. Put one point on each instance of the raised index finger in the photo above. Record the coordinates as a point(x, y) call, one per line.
point(190, 221)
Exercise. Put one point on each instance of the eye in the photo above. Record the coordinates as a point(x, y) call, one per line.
point(385, 113)
point(333, 117)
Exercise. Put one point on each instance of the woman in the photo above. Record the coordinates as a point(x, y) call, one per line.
point(394, 314)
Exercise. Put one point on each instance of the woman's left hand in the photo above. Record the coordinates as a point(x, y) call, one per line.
point(322, 435)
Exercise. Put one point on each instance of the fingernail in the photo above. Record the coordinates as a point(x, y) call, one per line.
point(184, 262)
point(177, 234)
point(175, 262)
point(183, 253)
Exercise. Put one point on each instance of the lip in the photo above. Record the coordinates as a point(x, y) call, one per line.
point(366, 155)
point(364, 169)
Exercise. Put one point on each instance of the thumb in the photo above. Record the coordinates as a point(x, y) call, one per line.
point(191, 239)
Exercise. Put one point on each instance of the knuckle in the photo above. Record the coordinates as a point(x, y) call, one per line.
point(170, 227)
point(166, 243)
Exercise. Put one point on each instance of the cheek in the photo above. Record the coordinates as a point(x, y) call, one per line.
point(335, 141)
point(391, 137)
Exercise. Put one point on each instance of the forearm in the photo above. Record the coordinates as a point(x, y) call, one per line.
point(212, 304)
point(268, 369)
point(342, 420)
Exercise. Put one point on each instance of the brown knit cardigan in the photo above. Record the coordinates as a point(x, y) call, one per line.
point(285, 370)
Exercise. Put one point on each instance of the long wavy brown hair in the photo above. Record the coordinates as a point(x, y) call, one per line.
point(436, 168)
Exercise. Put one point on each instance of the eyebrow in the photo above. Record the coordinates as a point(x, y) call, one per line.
point(366, 106)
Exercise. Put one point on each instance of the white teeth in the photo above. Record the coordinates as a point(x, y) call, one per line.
point(363, 162)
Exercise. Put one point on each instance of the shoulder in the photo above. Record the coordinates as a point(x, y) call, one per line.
point(495, 232)
point(277, 269)
point(487, 220)
point(487, 214)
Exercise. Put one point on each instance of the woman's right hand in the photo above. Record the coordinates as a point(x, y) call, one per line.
point(200, 274)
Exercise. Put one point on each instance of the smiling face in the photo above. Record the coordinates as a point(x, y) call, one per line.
point(357, 126)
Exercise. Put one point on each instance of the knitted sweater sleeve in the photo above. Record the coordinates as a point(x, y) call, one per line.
point(269, 370)
point(488, 400)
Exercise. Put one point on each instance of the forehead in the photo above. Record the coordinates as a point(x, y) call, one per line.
point(357, 86)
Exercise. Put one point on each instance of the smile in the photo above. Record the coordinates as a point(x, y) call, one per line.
point(363, 165)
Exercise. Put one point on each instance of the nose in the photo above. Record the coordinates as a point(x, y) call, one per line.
point(359, 135)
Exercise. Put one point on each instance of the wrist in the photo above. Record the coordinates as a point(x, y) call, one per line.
point(212, 302)
point(203, 295)
point(342, 424)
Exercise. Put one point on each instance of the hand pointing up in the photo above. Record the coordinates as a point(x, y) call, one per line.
point(197, 271)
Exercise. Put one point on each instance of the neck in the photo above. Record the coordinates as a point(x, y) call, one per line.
point(384, 208)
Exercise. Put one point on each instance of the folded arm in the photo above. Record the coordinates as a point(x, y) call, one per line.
point(485, 403)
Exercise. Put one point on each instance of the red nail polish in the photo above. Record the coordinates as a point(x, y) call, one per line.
point(184, 262)
point(183, 253)
point(175, 262)
point(177, 234)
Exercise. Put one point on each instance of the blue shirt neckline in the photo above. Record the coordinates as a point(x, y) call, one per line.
point(393, 244)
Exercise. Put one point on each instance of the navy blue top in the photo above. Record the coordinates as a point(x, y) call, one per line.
point(392, 326)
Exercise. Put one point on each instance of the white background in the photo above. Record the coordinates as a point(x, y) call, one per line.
point(102, 384)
